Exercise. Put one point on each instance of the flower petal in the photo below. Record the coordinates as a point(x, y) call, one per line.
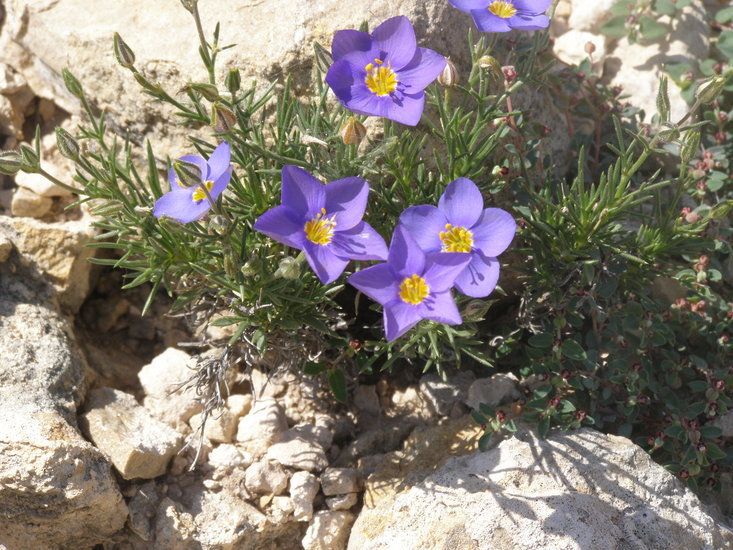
point(179, 205)
point(424, 224)
point(532, 6)
point(282, 224)
point(395, 41)
point(442, 268)
point(480, 277)
point(323, 261)
point(353, 46)
point(421, 70)
point(442, 308)
point(221, 183)
point(405, 255)
point(346, 199)
point(361, 242)
point(342, 77)
point(493, 232)
point(407, 110)
point(528, 22)
point(462, 203)
point(219, 161)
point(399, 317)
point(303, 193)
point(378, 282)
point(468, 5)
point(488, 22)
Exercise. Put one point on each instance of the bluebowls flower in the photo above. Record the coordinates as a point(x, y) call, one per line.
point(188, 204)
point(461, 224)
point(383, 74)
point(505, 15)
point(412, 285)
point(324, 221)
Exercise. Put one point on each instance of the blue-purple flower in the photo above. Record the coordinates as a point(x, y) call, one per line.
point(190, 203)
point(412, 285)
point(385, 73)
point(324, 221)
point(461, 224)
point(505, 15)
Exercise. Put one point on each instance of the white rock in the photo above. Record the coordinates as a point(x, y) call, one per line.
point(225, 520)
point(342, 502)
point(282, 509)
point(573, 491)
point(174, 527)
point(266, 477)
point(41, 186)
point(239, 404)
point(570, 48)
point(339, 481)
point(725, 423)
point(29, 205)
point(493, 391)
point(138, 445)
point(303, 489)
point(443, 394)
point(221, 425)
point(228, 457)
point(299, 448)
point(589, 16)
point(5, 247)
point(328, 531)
point(261, 426)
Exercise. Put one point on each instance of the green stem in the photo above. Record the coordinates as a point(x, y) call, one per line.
point(58, 182)
point(204, 45)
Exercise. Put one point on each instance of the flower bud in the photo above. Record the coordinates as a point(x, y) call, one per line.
point(10, 162)
point(66, 143)
point(352, 131)
point(188, 173)
point(29, 159)
point(289, 268)
point(218, 225)
point(189, 4)
point(233, 81)
point(509, 72)
point(449, 76)
point(72, 84)
point(125, 56)
point(489, 63)
point(222, 119)
point(589, 47)
point(710, 89)
point(209, 91)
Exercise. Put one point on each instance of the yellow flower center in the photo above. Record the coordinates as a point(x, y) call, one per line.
point(502, 9)
point(380, 79)
point(414, 290)
point(199, 195)
point(319, 230)
point(456, 239)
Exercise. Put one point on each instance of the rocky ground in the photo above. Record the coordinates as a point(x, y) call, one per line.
point(100, 442)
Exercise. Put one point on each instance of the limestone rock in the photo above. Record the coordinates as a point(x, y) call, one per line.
point(142, 507)
point(493, 391)
point(266, 477)
point(40, 185)
point(574, 490)
point(261, 426)
point(221, 425)
point(239, 404)
point(5, 247)
point(443, 394)
point(570, 48)
point(229, 457)
point(303, 489)
point(589, 16)
point(28, 204)
point(339, 481)
point(342, 502)
point(174, 527)
point(299, 448)
point(725, 423)
point(328, 530)
point(225, 520)
point(138, 445)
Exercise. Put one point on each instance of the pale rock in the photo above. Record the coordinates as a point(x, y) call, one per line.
point(493, 391)
point(299, 448)
point(725, 423)
point(225, 521)
point(328, 530)
point(58, 250)
point(638, 67)
point(282, 509)
point(387, 437)
point(589, 16)
point(263, 425)
point(339, 481)
point(138, 445)
point(266, 477)
point(229, 457)
point(303, 489)
point(342, 502)
point(40, 185)
point(412, 403)
point(174, 527)
point(220, 427)
point(29, 205)
point(572, 491)
point(266, 385)
point(5, 247)
point(442, 394)
point(366, 399)
point(239, 404)
point(570, 48)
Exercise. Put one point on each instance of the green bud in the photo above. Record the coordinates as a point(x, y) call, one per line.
point(29, 159)
point(125, 56)
point(188, 173)
point(190, 5)
point(66, 143)
point(72, 84)
point(710, 89)
point(352, 131)
point(289, 268)
point(663, 100)
point(10, 162)
point(222, 119)
point(449, 76)
point(490, 63)
point(690, 145)
point(209, 91)
point(218, 225)
point(233, 81)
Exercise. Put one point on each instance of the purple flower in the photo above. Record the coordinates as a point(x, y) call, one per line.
point(385, 73)
point(411, 285)
point(188, 204)
point(461, 224)
point(324, 221)
point(505, 15)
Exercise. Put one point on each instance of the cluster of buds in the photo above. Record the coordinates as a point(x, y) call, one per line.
point(657, 440)
point(682, 304)
point(689, 216)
